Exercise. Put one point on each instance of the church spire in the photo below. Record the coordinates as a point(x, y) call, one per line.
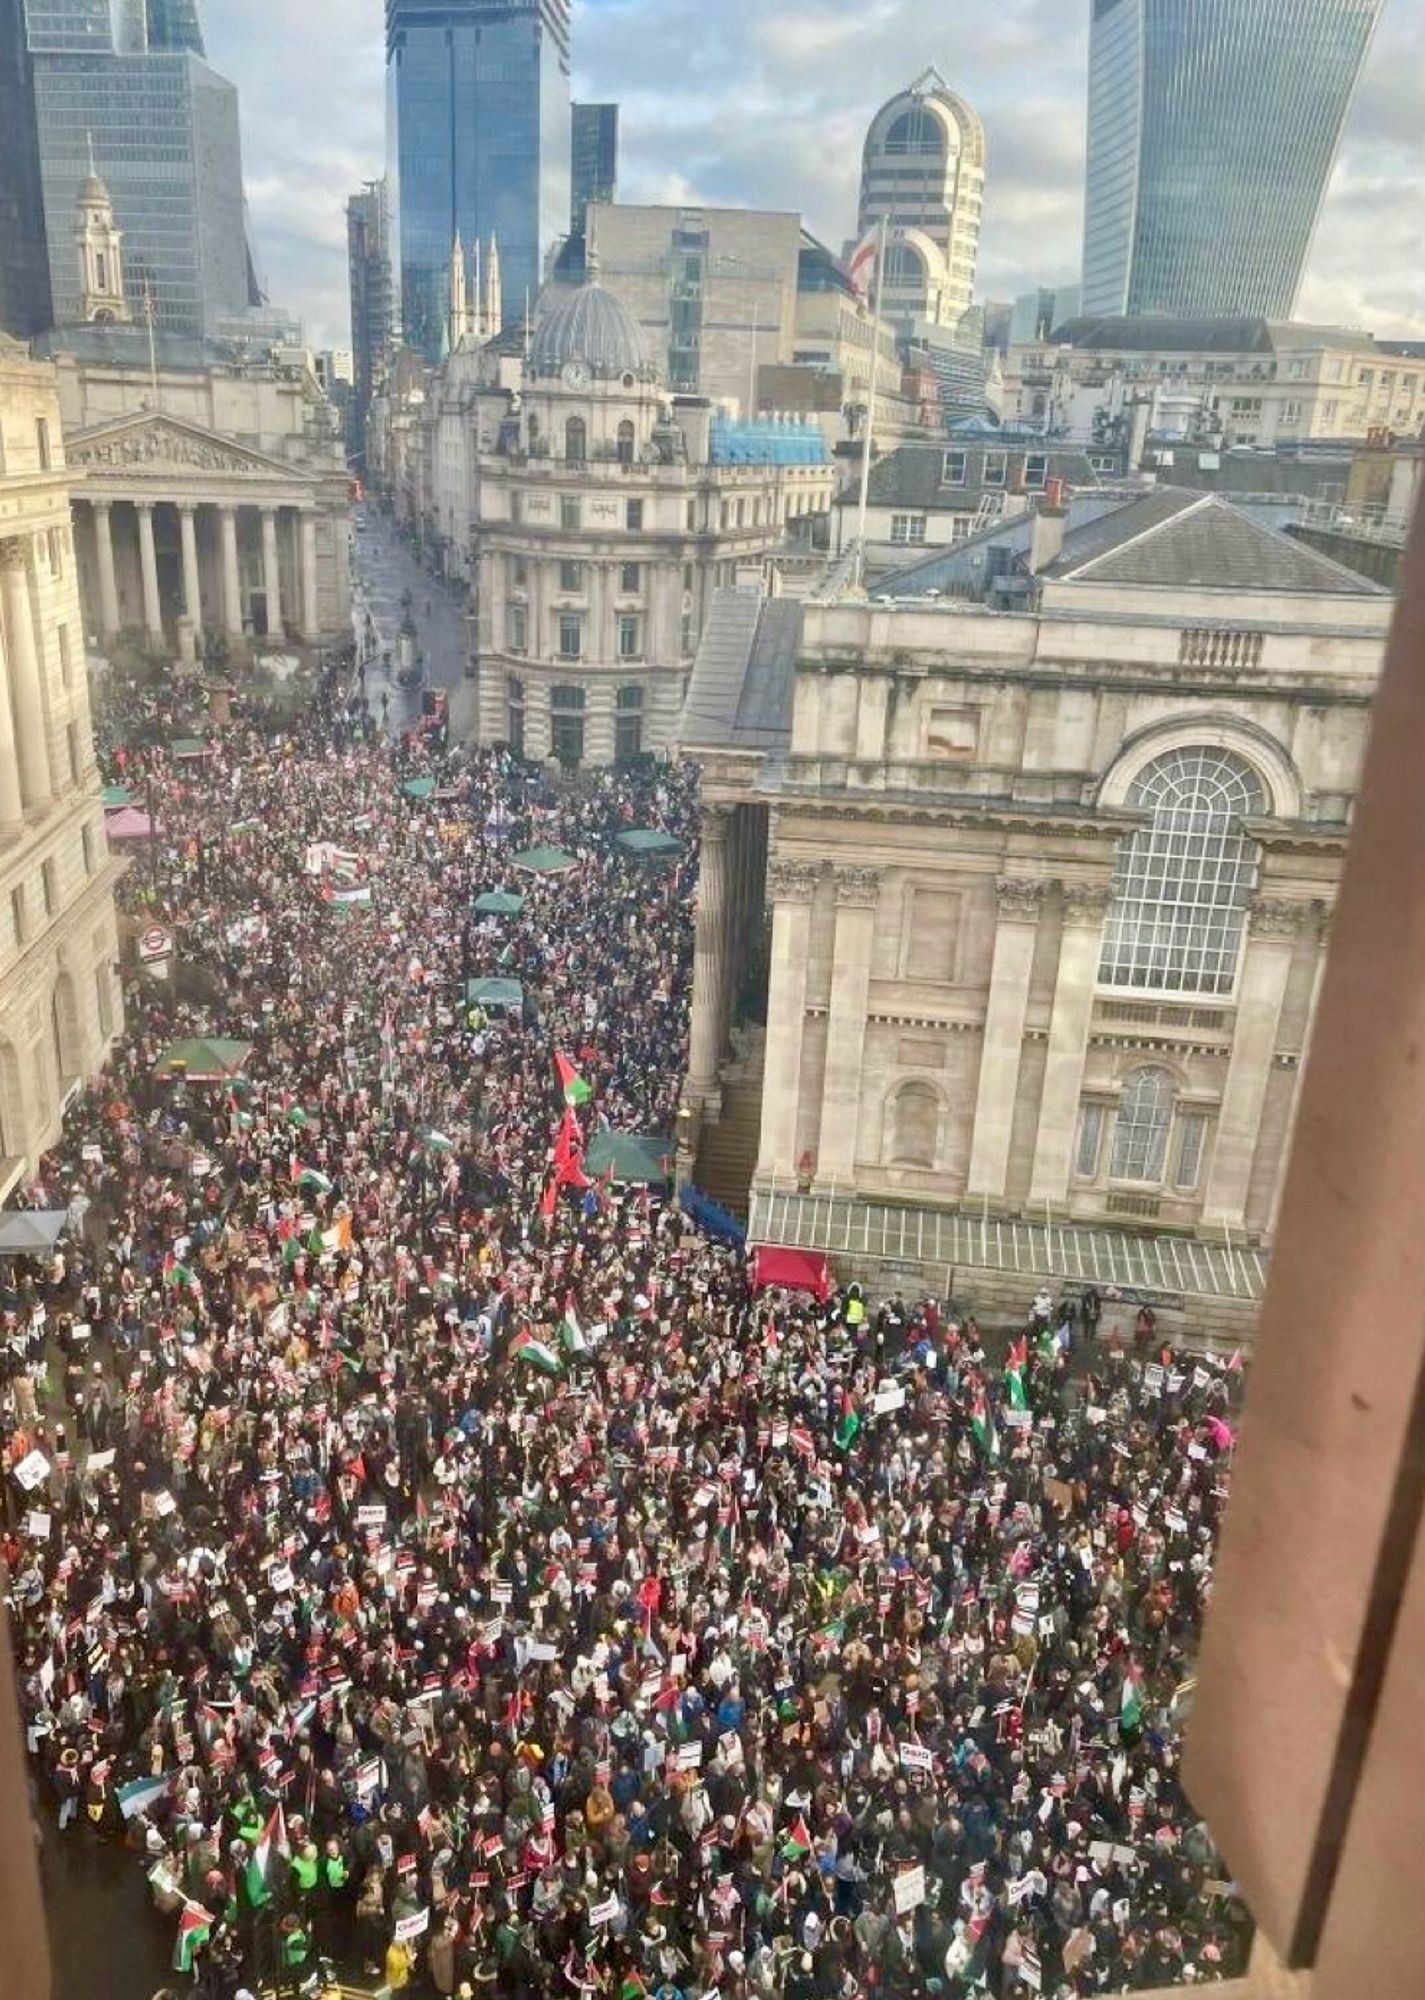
point(494, 291)
point(459, 305)
point(477, 298)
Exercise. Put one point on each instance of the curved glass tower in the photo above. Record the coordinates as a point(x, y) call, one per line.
point(1212, 128)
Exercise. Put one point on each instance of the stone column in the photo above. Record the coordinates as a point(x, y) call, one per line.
point(599, 733)
point(12, 808)
point(271, 573)
point(192, 590)
point(232, 581)
point(311, 626)
point(710, 954)
point(1323, 940)
point(26, 689)
point(148, 563)
point(108, 582)
point(1272, 929)
point(858, 890)
point(538, 734)
point(1015, 935)
point(791, 886)
point(1080, 949)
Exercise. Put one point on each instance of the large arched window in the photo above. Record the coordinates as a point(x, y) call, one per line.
point(1183, 881)
point(905, 270)
point(915, 132)
point(575, 441)
point(915, 1126)
point(625, 443)
point(1145, 1118)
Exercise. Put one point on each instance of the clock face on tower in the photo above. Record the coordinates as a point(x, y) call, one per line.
point(576, 375)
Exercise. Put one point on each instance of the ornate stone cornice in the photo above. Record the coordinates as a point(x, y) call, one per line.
point(858, 888)
point(715, 820)
point(1086, 902)
point(1019, 900)
point(1273, 919)
point(792, 881)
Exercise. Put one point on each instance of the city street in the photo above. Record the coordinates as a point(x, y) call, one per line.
point(383, 569)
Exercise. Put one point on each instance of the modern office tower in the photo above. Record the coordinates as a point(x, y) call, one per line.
point(1212, 127)
point(24, 267)
point(478, 143)
point(373, 322)
point(593, 167)
point(127, 93)
point(923, 174)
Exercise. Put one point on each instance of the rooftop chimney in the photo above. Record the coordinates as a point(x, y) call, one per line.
point(1046, 537)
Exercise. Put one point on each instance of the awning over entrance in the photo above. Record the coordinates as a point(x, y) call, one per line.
point(796, 1270)
point(881, 1232)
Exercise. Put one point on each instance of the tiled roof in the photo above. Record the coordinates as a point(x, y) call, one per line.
point(740, 691)
point(1177, 540)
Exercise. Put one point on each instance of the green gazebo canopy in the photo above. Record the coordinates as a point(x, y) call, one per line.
point(545, 861)
point(499, 903)
point(649, 840)
point(495, 992)
point(206, 1059)
point(117, 795)
point(643, 1159)
point(419, 788)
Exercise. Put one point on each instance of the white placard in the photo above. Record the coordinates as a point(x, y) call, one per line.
point(604, 1913)
point(32, 1471)
point(38, 1525)
point(915, 1757)
point(413, 1926)
point(909, 1890)
point(890, 1396)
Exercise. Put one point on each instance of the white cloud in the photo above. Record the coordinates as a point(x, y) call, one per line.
point(766, 102)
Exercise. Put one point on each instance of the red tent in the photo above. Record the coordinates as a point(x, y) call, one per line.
point(796, 1270)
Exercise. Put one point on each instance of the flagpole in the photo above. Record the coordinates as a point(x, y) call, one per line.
point(868, 434)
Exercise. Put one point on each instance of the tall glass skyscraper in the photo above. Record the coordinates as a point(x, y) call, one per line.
point(129, 79)
point(477, 134)
point(24, 267)
point(594, 160)
point(1212, 128)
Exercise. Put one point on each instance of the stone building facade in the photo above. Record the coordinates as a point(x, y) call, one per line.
point(602, 515)
point(60, 999)
point(1049, 891)
point(209, 478)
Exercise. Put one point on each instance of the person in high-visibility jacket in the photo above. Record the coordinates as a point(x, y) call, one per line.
point(306, 1868)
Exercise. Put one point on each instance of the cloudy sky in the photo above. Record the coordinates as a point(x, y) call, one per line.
point(765, 102)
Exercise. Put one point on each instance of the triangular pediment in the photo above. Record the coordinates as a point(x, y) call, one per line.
point(155, 442)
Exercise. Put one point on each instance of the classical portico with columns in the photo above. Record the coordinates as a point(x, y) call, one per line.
point(1045, 908)
point(174, 523)
point(209, 477)
point(60, 1000)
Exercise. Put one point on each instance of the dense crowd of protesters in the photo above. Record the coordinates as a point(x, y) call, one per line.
point(415, 1558)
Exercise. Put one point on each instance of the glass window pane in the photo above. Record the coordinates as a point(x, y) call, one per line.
point(1183, 882)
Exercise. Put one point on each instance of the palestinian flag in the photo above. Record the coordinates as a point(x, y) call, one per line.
point(142, 1793)
point(176, 1274)
point(524, 1347)
point(798, 1841)
point(195, 1925)
point(1016, 1362)
point(1130, 1707)
point(983, 1425)
point(575, 1088)
point(314, 1180)
point(571, 1334)
point(273, 1842)
point(846, 1430)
